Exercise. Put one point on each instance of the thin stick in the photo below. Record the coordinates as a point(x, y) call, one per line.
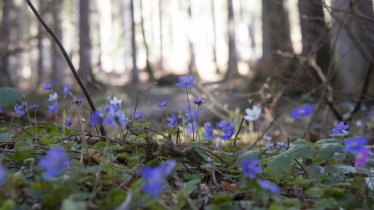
point(72, 68)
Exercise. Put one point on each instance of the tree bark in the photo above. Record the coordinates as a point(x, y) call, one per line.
point(58, 65)
point(42, 54)
point(192, 63)
point(314, 32)
point(233, 56)
point(6, 22)
point(214, 44)
point(275, 28)
point(85, 68)
point(160, 14)
point(135, 71)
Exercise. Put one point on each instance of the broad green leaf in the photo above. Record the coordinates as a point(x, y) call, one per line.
point(69, 204)
point(281, 163)
point(9, 96)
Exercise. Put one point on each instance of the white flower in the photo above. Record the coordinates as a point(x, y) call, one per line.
point(114, 100)
point(252, 114)
point(52, 97)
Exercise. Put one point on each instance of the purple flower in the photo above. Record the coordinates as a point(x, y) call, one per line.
point(121, 119)
point(227, 129)
point(20, 108)
point(267, 138)
point(54, 162)
point(1, 109)
point(186, 81)
point(172, 121)
point(222, 124)
point(48, 86)
point(68, 122)
point(362, 157)
point(281, 144)
point(303, 111)
point(199, 101)
point(52, 97)
point(269, 186)
point(269, 145)
point(115, 102)
point(190, 116)
point(96, 118)
point(52, 108)
point(66, 90)
point(114, 118)
point(34, 106)
point(191, 127)
point(77, 100)
point(2, 175)
point(250, 167)
point(208, 131)
point(164, 102)
point(355, 144)
point(154, 177)
point(340, 129)
point(137, 115)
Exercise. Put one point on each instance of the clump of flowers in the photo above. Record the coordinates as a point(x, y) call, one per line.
point(340, 129)
point(253, 113)
point(305, 111)
point(19, 109)
point(172, 121)
point(54, 162)
point(356, 146)
point(154, 177)
point(227, 129)
point(250, 167)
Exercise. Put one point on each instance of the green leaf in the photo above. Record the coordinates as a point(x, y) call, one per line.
point(281, 163)
point(9, 96)
point(69, 204)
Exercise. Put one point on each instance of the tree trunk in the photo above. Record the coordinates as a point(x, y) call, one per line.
point(85, 69)
point(233, 57)
point(354, 43)
point(275, 28)
point(314, 32)
point(58, 65)
point(148, 66)
point(135, 71)
point(5, 28)
point(160, 14)
point(42, 76)
point(192, 63)
point(214, 44)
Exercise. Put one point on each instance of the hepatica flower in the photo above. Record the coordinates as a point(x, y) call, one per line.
point(52, 108)
point(281, 144)
point(269, 186)
point(48, 86)
point(362, 157)
point(164, 102)
point(154, 177)
point(340, 129)
point(199, 101)
point(96, 118)
point(2, 175)
point(114, 118)
point(250, 167)
point(191, 127)
point(77, 100)
point(253, 113)
point(208, 131)
point(186, 81)
point(355, 144)
point(19, 109)
point(172, 121)
point(54, 162)
point(68, 122)
point(34, 106)
point(137, 115)
point(115, 102)
point(304, 111)
point(226, 128)
point(1, 109)
point(66, 90)
point(52, 97)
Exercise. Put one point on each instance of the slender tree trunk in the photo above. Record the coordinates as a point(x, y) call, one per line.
point(214, 44)
point(314, 32)
point(192, 63)
point(135, 71)
point(148, 66)
point(124, 17)
point(58, 65)
point(5, 78)
point(42, 54)
point(275, 28)
point(233, 56)
point(160, 14)
point(85, 69)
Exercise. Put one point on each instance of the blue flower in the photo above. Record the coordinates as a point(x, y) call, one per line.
point(48, 86)
point(362, 157)
point(154, 177)
point(250, 167)
point(222, 124)
point(164, 102)
point(52, 97)
point(355, 144)
point(281, 144)
point(52, 108)
point(199, 101)
point(121, 119)
point(227, 129)
point(269, 145)
point(114, 118)
point(77, 100)
point(137, 115)
point(190, 116)
point(66, 90)
point(191, 127)
point(208, 131)
point(68, 122)
point(2, 175)
point(172, 121)
point(54, 162)
point(269, 186)
point(115, 102)
point(1, 109)
point(303, 111)
point(186, 81)
point(340, 129)
point(34, 106)
point(20, 108)
point(96, 118)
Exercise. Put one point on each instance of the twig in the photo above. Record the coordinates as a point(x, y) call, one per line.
point(72, 68)
point(302, 168)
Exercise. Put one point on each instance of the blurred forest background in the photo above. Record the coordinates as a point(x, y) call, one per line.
point(312, 45)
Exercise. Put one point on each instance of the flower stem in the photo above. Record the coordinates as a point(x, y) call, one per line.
point(190, 111)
